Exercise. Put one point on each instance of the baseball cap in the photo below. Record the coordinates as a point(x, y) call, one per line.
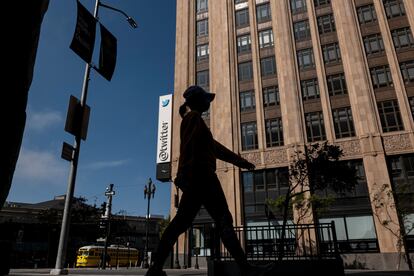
point(197, 91)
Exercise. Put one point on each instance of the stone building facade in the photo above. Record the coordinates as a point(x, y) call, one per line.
point(290, 72)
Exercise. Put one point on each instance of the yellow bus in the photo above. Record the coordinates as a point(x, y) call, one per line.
point(91, 256)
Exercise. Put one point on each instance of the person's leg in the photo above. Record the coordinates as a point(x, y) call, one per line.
point(188, 207)
point(215, 203)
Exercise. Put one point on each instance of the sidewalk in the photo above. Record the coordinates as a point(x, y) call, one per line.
point(119, 272)
point(179, 272)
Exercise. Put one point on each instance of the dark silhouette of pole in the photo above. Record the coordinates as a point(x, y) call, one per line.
point(109, 193)
point(64, 233)
point(177, 200)
point(129, 256)
point(148, 192)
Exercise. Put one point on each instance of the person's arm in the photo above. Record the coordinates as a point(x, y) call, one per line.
point(227, 155)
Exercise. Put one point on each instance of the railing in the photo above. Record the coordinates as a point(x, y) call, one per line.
point(302, 241)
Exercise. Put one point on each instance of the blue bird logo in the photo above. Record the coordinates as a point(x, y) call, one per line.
point(164, 103)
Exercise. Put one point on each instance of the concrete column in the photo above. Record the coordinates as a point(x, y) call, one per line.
point(409, 9)
point(222, 82)
point(364, 110)
point(397, 78)
point(257, 75)
point(320, 70)
point(184, 76)
point(288, 78)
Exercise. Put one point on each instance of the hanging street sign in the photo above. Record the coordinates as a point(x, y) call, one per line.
point(77, 118)
point(107, 55)
point(67, 151)
point(83, 40)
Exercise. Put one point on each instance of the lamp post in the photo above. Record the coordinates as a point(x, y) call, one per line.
point(148, 192)
point(64, 233)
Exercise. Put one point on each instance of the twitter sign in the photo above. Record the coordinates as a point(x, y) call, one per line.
point(164, 138)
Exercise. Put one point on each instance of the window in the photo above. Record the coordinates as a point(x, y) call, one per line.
point(315, 126)
point(249, 136)
point(326, 24)
point(298, 6)
point(318, 3)
point(336, 84)
point(394, 8)
point(242, 18)
point(239, 1)
point(266, 38)
point(270, 96)
point(373, 44)
point(274, 132)
point(306, 59)
point(354, 230)
point(202, 27)
point(244, 44)
point(203, 78)
point(263, 13)
point(247, 101)
point(390, 116)
point(245, 71)
point(403, 38)
point(381, 76)
point(310, 89)
point(366, 14)
point(202, 52)
point(344, 125)
point(202, 6)
point(331, 53)
point(302, 30)
point(268, 66)
point(407, 70)
point(259, 185)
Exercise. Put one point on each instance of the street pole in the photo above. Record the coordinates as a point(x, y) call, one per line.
point(64, 231)
point(109, 193)
point(148, 191)
point(177, 261)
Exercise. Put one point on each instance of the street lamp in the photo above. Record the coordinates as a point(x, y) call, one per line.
point(148, 192)
point(64, 233)
point(130, 20)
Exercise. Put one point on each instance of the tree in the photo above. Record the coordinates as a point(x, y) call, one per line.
point(386, 201)
point(163, 224)
point(316, 168)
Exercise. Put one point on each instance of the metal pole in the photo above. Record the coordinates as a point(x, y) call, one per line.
point(64, 232)
point(145, 264)
point(177, 261)
point(109, 193)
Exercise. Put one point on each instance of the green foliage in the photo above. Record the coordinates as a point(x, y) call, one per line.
point(163, 224)
point(317, 168)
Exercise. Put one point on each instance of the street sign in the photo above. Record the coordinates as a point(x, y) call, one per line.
point(107, 55)
point(77, 118)
point(83, 39)
point(67, 151)
point(110, 193)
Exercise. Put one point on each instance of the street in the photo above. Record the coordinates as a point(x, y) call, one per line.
point(179, 272)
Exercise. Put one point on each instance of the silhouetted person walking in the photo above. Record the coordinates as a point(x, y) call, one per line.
point(197, 179)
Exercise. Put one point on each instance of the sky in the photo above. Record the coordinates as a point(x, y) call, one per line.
point(122, 135)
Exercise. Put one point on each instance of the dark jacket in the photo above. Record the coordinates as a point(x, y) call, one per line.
point(198, 150)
